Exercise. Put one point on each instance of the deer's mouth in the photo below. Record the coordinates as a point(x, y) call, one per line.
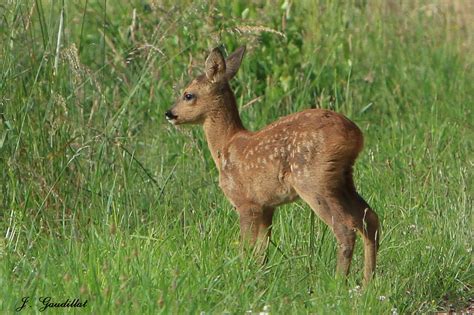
point(171, 121)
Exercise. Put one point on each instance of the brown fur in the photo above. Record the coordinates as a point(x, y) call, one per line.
point(306, 155)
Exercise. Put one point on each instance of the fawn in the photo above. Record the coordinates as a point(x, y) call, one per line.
point(307, 155)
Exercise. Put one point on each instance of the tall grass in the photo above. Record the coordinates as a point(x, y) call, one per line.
point(102, 200)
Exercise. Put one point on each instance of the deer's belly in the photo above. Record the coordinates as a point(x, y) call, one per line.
point(267, 189)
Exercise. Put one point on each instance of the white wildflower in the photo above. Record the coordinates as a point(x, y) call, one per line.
point(266, 310)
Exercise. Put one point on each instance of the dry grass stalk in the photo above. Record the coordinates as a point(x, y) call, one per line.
point(255, 100)
point(241, 29)
point(80, 72)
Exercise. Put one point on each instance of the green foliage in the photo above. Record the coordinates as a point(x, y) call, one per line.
point(102, 199)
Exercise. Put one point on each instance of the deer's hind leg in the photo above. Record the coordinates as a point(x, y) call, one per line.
point(341, 207)
point(367, 223)
point(331, 210)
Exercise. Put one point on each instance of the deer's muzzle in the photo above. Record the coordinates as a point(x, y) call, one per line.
point(170, 116)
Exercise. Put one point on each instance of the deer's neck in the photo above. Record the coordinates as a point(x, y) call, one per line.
point(221, 125)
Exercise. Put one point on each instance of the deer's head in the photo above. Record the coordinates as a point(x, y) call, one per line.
point(203, 96)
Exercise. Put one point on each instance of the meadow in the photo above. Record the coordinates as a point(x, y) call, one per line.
point(102, 200)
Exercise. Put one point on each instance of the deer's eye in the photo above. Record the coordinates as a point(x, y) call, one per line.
point(188, 96)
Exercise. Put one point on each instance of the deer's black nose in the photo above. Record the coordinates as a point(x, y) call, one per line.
point(169, 115)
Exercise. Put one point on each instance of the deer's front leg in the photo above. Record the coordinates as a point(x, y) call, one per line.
point(255, 227)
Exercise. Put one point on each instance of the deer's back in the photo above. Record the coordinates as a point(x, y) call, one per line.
point(318, 131)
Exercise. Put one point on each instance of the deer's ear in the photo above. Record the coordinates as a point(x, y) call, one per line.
point(215, 66)
point(233, 62)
